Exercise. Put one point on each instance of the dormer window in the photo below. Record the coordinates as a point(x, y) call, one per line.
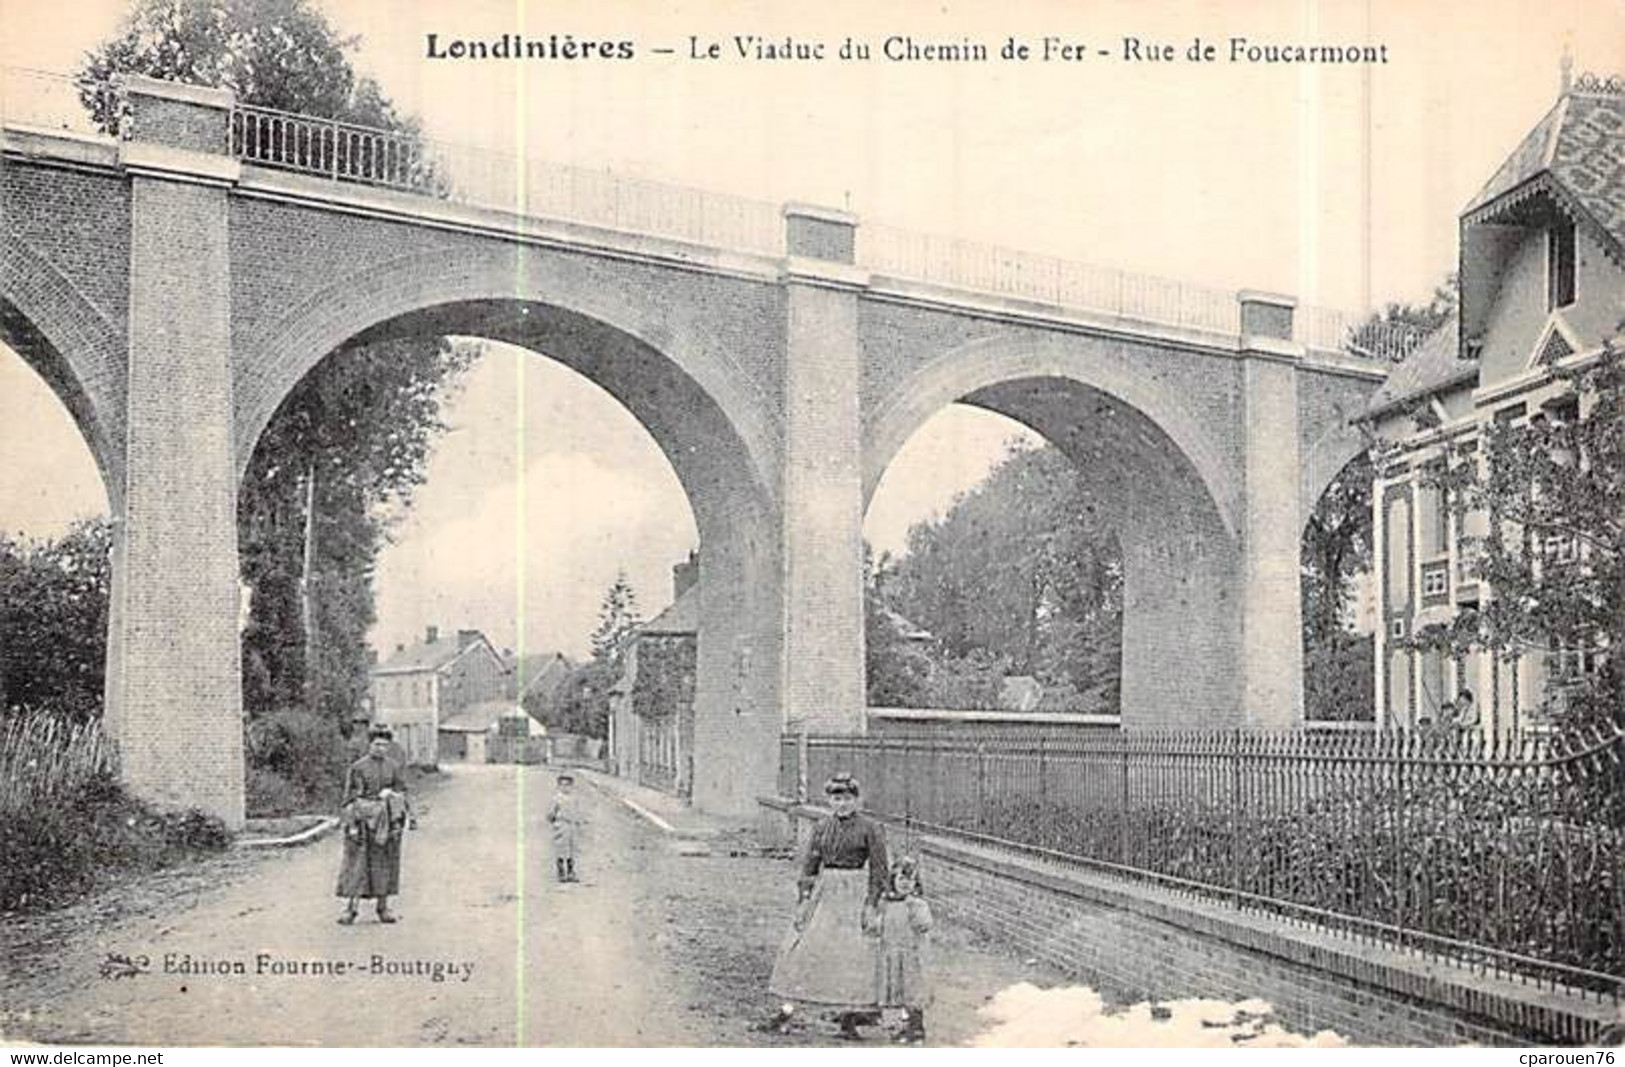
point(1560, 265)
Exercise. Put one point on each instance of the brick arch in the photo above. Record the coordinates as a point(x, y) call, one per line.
point(1129, 436)
point(74, 347)
point(1324, 460)
point(270, 365)
point(988, 364)
point(718, 432)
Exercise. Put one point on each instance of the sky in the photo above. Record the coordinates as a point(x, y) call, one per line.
point(1339, 185)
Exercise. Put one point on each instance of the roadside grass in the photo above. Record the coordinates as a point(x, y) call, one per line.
point(67, 825)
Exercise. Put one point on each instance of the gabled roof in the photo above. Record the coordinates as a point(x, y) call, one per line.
point(1530, 158)
point(1432, 367)
point(542, 672)
point(682, 617)
point(427, 656)
point(422, 656)
point(1572, 155)
point(478, 718)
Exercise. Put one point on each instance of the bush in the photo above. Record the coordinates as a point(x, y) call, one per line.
point(296, 762)
point(268, 794)
point(968, 683)
point(1339, 674)
point(1527, 864)
point(65, 822)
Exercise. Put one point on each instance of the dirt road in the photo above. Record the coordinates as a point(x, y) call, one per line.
point(654, 947)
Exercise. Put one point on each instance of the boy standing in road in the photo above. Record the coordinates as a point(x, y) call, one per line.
point(565, 818)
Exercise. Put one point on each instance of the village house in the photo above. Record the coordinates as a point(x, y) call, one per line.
point(493, 731)
point(540, 682)
point(424, 684)
point(652, 703)
point(1542, 272)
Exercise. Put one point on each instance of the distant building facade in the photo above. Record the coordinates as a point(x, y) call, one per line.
point(652, 703)
point(492, 731)
point(421, 685)
point(541, 682)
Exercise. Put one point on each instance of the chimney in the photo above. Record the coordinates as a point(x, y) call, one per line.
point(431, 635)
point(685, 574)
point(466, 638)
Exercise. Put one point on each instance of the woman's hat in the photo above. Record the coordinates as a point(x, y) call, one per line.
point(383, 732)
point(840, 784)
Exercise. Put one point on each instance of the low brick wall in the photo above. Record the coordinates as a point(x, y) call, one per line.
point(1133, 941)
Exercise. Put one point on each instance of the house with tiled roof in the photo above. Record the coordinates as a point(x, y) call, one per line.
point(422, 684)
point(539, 681)
point(1542, 272)
point(652, 703)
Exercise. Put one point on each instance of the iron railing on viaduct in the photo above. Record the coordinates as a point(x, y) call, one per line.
point(1495, 853)
point(527, 185)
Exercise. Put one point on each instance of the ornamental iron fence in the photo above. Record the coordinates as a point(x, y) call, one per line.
point(988, 268)
point(502, 181)
point(1503, 854)
point(1328, 330)
point(526, 186)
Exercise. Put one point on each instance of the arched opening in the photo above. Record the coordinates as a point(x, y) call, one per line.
point(995, 577)
point(570, 505)
point(720, 509)
point(55, 534)
point(1156, 561)
point(1339, 599)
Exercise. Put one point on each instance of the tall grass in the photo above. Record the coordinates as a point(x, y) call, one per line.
point(45, 759)
point(67, 825)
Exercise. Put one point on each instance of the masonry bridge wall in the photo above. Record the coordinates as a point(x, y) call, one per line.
point(173, 297)
point(64, 255)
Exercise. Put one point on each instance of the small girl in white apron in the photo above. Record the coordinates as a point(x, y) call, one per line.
point(903, 922)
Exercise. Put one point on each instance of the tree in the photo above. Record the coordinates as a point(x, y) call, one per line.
point(1397, 329)
point(280, 54)
point(1336, 548)
point(353, 437)
point(586, 701)
point(898, 671)
point(53, 620)
point(1429, 316)
point(1335, 552)
point(617, 618)
point(1024, 570)
point(359, 429)
point(1553, 550)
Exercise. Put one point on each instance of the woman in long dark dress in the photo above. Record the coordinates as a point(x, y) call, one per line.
point(827, 958)
point(374, 815)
